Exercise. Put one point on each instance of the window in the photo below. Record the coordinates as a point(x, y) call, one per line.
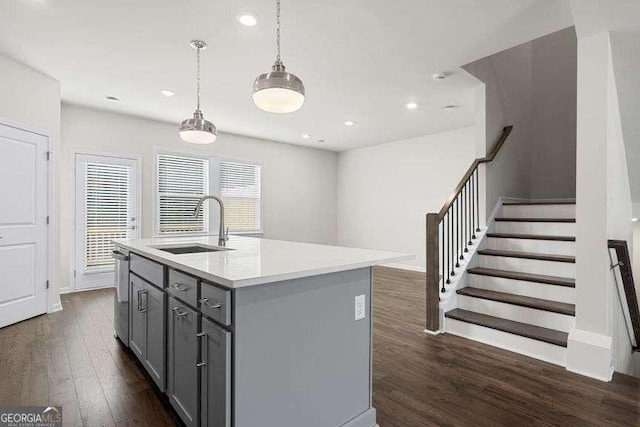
point(181, 182)
point(106, 212)
point(240, 190)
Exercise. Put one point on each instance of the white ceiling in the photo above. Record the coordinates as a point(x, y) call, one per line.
point(360, 60)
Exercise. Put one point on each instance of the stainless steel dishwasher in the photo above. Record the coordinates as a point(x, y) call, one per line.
point(121, 297)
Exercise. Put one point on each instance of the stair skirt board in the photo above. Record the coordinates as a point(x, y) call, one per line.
point(545, 228)
point(519, 287)
point(532, 316)
point(526, 346)
point(524, 265)
point(539, 211)
point(547, 247)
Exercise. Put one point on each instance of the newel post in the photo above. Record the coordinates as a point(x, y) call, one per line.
point(433, 273)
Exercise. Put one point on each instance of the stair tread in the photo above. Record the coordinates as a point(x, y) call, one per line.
point(511, 219)
point(521, 300)
point(527, 277)
point(538, 333)
point(538, 202)
point(528, 255)
point(532, 237)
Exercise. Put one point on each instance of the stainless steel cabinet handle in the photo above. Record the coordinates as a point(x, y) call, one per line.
point(180, 287)
point(179, 313)
point(206, 302)
point(143, 308)
point(139, 298)
point(203, 350)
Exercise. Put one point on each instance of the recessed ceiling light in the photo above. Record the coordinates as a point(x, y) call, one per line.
point(411, 105)
point(634, 219)
point(306, 136)
point(321, 140)
point(112, 98)
point(439, 77)
point(449, 107)
point(247, 19)
point(349, 123)
point(167, 92)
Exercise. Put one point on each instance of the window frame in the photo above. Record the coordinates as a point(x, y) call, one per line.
point(214, 188)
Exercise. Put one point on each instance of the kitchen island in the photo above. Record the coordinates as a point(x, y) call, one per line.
point(258, 333)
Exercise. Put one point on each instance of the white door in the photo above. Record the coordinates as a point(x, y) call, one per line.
point(106, 208)
point(23, 224)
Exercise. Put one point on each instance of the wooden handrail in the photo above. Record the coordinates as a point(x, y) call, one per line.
point(492, 155)
point(626, 272)
point(462, 221)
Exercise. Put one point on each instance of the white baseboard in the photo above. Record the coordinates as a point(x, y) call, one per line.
point(56, 307)
point(65, 290)
point(590, 354)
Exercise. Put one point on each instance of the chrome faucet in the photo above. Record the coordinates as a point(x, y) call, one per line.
point(223, 235)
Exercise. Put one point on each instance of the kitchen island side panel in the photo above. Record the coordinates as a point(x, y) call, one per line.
point(300, 357)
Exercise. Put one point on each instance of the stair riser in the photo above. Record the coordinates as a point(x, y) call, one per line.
point(532, 316)
point(524, 265)
point(548, 247)
point(545, 228)
point(529, 289)
point(539, 211)
point(527, 346)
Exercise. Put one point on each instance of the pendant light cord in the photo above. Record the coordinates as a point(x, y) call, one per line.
point(198, 79)
point(278, 61)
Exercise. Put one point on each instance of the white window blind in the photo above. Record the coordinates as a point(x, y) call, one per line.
point(240, 190)
point(181, 182)
point(106, 212)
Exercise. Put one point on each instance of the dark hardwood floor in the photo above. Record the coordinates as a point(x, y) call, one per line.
point(70, 358)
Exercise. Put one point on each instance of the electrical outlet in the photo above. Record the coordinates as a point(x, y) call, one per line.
point(360, 307)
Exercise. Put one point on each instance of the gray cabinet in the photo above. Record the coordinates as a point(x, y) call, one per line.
point(154, 303)
point(182, 384)
point(215, 376)
point(137, 318)
point(147, 327)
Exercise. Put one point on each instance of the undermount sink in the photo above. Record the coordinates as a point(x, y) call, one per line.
point(190, 249)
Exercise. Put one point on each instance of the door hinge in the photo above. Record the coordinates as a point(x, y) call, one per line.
point(48, 219)
point(47, 284)
point(48, 155)
point(74, 273)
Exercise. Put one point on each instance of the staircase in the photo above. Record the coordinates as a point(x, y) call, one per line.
point(521, 294)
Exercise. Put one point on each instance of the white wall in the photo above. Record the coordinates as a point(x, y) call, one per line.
point(385, 191)
point(598, 344)
point(299, 183)
point(532, 87)
point(31, 98)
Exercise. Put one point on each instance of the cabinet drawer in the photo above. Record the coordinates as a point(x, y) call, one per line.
point(215, 303)
point(151, 271)
point(183, 287)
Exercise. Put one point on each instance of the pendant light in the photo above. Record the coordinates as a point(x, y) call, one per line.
point(197, 130)
point(278, 91)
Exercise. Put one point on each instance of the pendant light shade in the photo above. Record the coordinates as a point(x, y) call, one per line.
point(197, 130)
point(278, 91)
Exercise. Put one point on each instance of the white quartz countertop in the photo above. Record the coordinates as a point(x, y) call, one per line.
point(253, 261)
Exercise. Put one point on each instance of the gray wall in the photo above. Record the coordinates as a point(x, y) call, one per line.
point(533, 87)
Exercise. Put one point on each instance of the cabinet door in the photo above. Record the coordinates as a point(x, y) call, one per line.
point(215, 376)
point(182, 384)
point(137, 317)
point(154, 307)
